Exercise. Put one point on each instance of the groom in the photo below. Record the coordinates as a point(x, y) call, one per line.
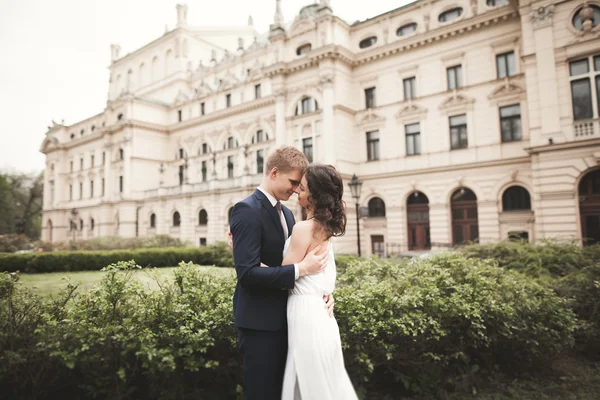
point(260, 225)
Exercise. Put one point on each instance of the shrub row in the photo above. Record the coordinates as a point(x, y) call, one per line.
point(420, 327)
point(56, 261)
point(11, 243)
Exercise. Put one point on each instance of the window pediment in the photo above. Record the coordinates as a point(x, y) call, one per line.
point(370, 118)
point(457, 103)
point(507, 91)
point(203, 90)
point(181, 98)
point(411, 110)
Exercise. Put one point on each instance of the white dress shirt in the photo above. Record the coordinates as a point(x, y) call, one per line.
point(273, 202)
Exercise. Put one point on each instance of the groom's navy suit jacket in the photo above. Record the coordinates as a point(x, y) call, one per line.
point(260, 297)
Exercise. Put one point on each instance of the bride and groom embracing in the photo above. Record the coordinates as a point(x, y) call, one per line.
point(283, 308)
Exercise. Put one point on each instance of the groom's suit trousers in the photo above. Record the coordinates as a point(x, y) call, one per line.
point(263, 354)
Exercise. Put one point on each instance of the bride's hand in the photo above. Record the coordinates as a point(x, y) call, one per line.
point(264, 265)
point(329, 302)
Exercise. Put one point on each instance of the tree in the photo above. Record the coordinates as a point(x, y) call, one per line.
point(21, 198)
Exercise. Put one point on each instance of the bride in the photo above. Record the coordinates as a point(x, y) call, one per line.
point(315, 365)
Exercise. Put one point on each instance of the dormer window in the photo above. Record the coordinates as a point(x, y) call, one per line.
point(368, 42)
point(307, 105)
point(407, 29)
point(450, 15)
point(305, 48)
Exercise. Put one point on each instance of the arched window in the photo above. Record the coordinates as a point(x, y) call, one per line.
point(260, 137)
point(406, 29)
point(465, 220)
point(92, 224)
point(80, 224)
point(368, 42)
point(153, 220)
point(121, 154)
point(516, 198)
point(72, 136)
point(229, 212)
point(595, 12)
point(176, 219)
point(82, 132)
point(202, 217)
point(306, 105)
point(231, 142)
point(376, 207)
point(450, 15)
point(305, 48)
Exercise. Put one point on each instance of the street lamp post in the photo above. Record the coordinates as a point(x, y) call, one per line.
point(355, 187)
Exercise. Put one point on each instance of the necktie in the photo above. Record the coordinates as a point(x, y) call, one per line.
point(282, 219)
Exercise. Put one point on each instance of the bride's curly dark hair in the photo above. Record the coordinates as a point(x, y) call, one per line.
point(326, 191)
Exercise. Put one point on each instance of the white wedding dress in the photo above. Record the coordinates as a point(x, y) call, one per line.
point(315, 364)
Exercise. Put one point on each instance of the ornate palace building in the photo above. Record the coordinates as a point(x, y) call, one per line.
point(464, 120)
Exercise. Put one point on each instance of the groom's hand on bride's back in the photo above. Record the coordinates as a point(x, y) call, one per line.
point(314, 262)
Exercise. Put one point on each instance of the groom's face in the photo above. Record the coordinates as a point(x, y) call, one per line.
point(286, 183)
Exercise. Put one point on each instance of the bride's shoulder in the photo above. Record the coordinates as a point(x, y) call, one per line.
point(303, 226)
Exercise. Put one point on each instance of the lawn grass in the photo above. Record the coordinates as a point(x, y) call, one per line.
point(52, 283)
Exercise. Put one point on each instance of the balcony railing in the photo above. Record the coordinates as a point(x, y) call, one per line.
point(586, 129)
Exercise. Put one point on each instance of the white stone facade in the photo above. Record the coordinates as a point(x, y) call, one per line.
point(189, 115)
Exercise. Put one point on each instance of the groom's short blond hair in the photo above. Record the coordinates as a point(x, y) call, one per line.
point(287, 158)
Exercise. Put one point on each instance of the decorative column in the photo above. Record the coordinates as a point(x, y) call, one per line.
point(280, 117)
point(328, 131)
point(547, 82)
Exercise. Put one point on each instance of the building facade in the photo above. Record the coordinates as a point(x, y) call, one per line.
point(464, 119)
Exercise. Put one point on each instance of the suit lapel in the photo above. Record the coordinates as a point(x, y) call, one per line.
point(270, 210)
point(289, 219)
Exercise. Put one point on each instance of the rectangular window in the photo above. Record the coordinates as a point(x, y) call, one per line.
point(70, 192)
point(179, 116)
point(260, 161)
point(307, 149)
point(413, 139)
point(228, 100)
point(204, 148)
point(202, 242)
point(80, 190)
point(81, 163)
point(103, 186)
point(581, 96)
point(506, 64)
point(458, 132)
point(454, 75)
point(203, 171)
point(91, 189)
point(121, 184)
point(71, 166)
point(257, 91)
point(103, 157)
point(230, 167)
point(181, 175)
point(92, 162)
point(260, 136)
point(370, 97)
point(373, 146)
point(585, 85)
point(51, 192)
point(410, 88)
point(510, 123)
point(202, 109)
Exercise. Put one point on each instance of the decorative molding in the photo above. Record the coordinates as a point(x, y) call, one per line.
point(507, 92)
point(542, 16)
point(411, 110)
point(457, 102)
point(369, 118)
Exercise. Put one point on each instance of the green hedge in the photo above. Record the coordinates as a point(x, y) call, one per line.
point(219, 255)
point(424, 326)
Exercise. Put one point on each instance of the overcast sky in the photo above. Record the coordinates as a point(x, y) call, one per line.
point(54, 55)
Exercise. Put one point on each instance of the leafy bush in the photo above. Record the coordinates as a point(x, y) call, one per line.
point(548, 259)
point(219, 255)
point(430, 324)
point(437, 322)
point(13, 242)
